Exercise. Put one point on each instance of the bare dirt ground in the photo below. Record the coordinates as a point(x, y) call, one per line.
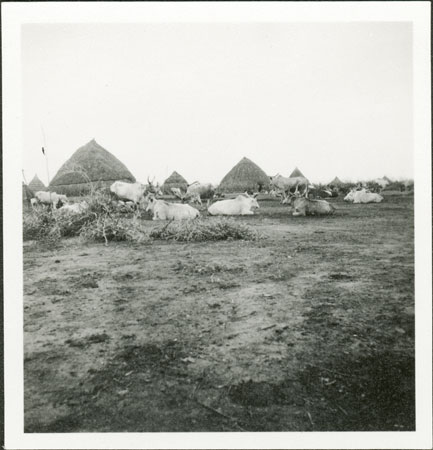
point(310, 328)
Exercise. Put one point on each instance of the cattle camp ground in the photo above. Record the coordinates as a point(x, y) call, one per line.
point(262, 322)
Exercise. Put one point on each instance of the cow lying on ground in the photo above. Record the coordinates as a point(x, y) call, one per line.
point(362, 196)
point(241, 205)
point(163, 210)
point(74, 208)
point(303, 206)
point(319, 193)
point(50, 198)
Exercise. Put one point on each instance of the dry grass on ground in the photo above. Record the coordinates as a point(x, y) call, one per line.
point(311, 328)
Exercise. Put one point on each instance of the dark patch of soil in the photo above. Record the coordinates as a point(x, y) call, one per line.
point(340, 276)
point(373, 393)
point(260, 393)
point(92, 339)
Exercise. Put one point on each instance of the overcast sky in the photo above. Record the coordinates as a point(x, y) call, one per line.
point(332, 99)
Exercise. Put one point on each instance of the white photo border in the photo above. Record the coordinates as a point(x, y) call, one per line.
point(14, 15)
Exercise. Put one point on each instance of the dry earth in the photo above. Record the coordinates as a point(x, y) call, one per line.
point(309, 328)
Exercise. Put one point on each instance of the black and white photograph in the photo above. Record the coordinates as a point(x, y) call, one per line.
point(213, 211)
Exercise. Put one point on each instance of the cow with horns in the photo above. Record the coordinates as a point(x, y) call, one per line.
point(195, 192)
point(134, 192)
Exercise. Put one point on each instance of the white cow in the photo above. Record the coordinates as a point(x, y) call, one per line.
point(133, 192)
point(163, 210)
point(240, 206)
point(286, 184)
point(74, 208)
point(50, 198)
point(195, 192)
point(363, 196)
point(303, 206)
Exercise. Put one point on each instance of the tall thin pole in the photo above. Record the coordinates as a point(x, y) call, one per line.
point(45, 154)
point(46, 163)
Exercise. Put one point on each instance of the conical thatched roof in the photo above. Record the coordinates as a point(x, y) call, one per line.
point(245, 176)
point(296, 173)
point(386, 179)
point(175, 180)
point(36, 184)
point(336, 182)
point(90, 163)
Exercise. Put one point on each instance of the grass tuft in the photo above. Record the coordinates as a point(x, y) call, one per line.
point(199, 230)
point(114, 228)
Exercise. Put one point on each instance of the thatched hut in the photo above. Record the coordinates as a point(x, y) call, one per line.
point(175, 180)
point(245, 176)
point(297, 173)
point(27, 195)
point(335, 182)
point(36, 184)
point(90, 166)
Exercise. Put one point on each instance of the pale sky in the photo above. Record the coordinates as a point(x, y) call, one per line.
point(330, 98)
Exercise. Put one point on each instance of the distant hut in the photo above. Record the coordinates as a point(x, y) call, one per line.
point(296, 173)
point(27, 195)
point(36, 184)
point(90, 166)
point(386, 179)
point(175, 180)
point(335, 182)
point(245, 176)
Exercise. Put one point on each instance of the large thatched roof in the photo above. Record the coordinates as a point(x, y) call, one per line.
point(245, 176)
point(36, 184)
point(90, 163)
point(296, 173)
point(175, 180)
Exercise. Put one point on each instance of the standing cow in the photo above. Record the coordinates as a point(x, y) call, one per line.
point(195, 192)
point(198, 191)
point(280, 183)
point(134, 192)
point(50, 198)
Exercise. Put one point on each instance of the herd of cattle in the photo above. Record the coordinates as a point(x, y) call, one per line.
point(301, 197)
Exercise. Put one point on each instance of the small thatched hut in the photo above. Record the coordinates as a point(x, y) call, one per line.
point(335, 182)
point(297, 173)
point(27, 195)
point(36, 184)
point(90, 166)
point(245, 176)
point(175, 180)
